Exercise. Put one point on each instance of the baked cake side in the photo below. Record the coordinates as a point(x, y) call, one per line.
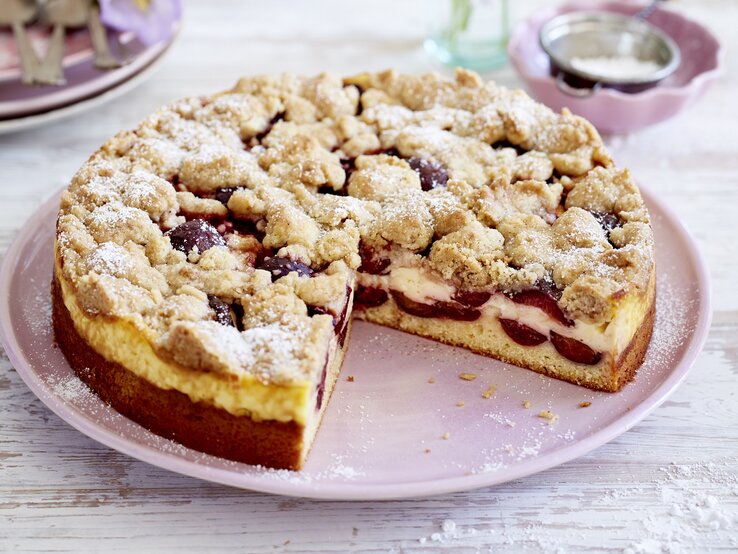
point(208, 261)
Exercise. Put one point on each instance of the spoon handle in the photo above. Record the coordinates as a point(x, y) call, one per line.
point(647, 12)
point(50, 72)
point(103, 58)
point(29, 60)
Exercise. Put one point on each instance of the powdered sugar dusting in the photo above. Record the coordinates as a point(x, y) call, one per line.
point(71, 389)
point(112, 214)
point(684, 514)
point(109, 258)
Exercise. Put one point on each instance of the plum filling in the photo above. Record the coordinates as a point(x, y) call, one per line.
point(432, 174)
point(224, 195)
point(223, 313)
point(340, 321)
point(465, 307)
point(371, 262)
point(268, 129)
point(543, 301)
point(522, 334)
point(574, 350)
point(370, 297)
point(471, 297)
point(194, 234)
point(507, 144)
point(607, 221)
point(389, 152)
point(349, 166)
point(240, 227)
point(439, 309)
point(279, 267)
point(320, 389)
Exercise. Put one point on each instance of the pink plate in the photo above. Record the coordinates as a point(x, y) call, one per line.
point(77, 48)
point(83, 81)
point(613, 111)
point(382, 436)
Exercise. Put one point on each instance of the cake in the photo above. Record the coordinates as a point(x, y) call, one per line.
point(208, 263)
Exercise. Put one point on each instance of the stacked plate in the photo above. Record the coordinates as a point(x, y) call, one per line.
point(23, 106)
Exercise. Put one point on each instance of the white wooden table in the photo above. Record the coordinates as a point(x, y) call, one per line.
point(668, 485)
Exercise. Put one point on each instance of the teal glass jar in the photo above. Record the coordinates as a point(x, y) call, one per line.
point(469, 33)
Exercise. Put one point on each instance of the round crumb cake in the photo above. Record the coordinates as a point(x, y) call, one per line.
point(208, 263)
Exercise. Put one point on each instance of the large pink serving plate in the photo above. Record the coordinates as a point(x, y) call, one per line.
point(383, 433)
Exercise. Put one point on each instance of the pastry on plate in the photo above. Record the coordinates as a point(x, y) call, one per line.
point(208, 263)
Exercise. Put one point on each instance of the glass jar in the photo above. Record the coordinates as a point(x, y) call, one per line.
point(469, 33)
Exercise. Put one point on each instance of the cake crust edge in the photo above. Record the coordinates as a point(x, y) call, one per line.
point(170, 413)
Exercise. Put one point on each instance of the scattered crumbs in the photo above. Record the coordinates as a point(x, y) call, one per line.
point(526, 404)
point(585, 404)
point(446, 436)
point(467, 376)
point(548, 415)
point(431, 380)
point(460, 403)
point(285, 543)
point(427, 450)
point(490, 391)
point(350, 378)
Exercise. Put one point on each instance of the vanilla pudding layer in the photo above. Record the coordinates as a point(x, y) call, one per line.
point(614, 340)
point(123, 341)
point(421, 286)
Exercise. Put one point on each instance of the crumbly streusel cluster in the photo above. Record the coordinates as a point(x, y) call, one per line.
point(480, 184)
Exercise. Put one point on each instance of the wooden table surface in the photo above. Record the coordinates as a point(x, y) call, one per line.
point(668, 485)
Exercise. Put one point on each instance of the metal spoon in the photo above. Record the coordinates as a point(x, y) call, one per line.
point(625, 45)
point(647, 12)
point(17, 13)
point(60, 14)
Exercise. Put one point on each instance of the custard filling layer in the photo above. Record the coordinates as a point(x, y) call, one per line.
point(243, 395)
point(422, 286)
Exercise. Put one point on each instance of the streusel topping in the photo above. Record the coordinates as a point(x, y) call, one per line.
point(260, 200)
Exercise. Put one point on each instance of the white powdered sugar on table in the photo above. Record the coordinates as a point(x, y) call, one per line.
point(685, 520)
point(686, 515)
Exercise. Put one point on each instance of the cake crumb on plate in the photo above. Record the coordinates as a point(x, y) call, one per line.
point(490, 391)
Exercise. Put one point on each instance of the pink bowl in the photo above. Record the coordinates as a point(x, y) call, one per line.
point(612, 111)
